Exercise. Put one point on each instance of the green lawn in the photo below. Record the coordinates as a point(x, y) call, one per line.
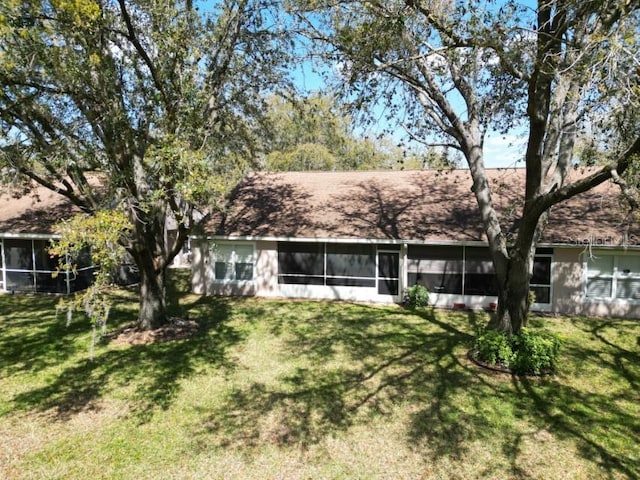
point(273, 389)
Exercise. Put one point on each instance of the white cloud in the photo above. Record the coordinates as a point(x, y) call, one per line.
point(504, 150)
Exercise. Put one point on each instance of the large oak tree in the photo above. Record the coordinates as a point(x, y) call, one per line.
point(143, 108)
point(559, 70)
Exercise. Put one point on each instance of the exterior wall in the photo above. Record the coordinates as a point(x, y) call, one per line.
point(199, 262)
point(569, 293)
point(265, 282)
point(568, 279)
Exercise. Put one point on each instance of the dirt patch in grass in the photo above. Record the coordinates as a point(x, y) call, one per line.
point(175, 329)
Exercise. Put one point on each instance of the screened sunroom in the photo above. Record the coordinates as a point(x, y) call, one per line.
point(27, 266)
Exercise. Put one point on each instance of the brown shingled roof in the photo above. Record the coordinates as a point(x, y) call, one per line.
point(409, 205)
point(426, 205)
point(35, 212)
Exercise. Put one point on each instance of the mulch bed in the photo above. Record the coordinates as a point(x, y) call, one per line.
point(176, 329)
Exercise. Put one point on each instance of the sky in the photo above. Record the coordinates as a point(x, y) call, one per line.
point(500, 150)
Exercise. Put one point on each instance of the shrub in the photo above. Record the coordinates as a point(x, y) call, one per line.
point(493, 347)
point(416, 296)
point(536, 351)
point(528, 352)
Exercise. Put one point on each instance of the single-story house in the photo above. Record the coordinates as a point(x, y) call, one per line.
point(26, 228)
point(366, 236)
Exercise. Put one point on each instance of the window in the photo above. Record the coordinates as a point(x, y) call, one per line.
point(301, 263)
point(469, 271)
point(613, 276)
point(388, 272)
point(479, 275)
point(232, 262)
point(541, 279)
point(351, 265)
point(27, 266)
point(439, 268)
point(334, 264)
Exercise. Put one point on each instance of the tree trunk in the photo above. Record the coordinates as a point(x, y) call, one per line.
point(149, 254)
point(513, 297)
point(153, 306)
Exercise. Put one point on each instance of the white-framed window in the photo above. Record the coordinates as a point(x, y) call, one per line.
point(612, 276)
point(233, 261)
point(540, 283)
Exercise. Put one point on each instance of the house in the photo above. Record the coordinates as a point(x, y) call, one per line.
point(27, 226)
point(26, 229)
point(366, 236)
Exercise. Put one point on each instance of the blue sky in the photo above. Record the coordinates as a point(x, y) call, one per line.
point(501, 151)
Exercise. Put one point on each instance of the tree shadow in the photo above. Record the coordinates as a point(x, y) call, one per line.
point(154, 369)
point(352, 367)
point(356, 365)
point(263, 205)
point(597, 419)
point(373, 209)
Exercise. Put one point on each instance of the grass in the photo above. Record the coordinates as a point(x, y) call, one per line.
point(274, 389)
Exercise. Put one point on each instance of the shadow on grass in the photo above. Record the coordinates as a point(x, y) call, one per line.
point(348, 365)
point(352, 365)
point(357, 362)
point(153, 371)
point(591, 403)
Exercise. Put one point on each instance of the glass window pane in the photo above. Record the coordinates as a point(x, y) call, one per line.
point(20, 281)
point(44, 261)
point(599, 287)
point(222, 252)
point(438, 282)
point(388, 286)
point(628, 265)
point(244, 253)
point(351, 260)
point(83, 279)
point(541, 271)
point(301, 258)
point(434, 265)
point(244, 271)
point(628, 288)
point(600, 265)
point(480, 284)
point(542, 294)
point(45, 283)
point(388, 264)
point(478, 260)
point(18, 254)
point(223, 271)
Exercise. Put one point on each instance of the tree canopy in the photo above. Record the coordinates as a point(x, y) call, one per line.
point(149, 108)
point(316, 132)
point(450, 72)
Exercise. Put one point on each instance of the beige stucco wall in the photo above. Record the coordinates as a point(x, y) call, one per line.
point(265, 271)
point(568, 280)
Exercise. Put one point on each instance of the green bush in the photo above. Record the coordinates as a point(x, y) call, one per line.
point(416, 296)
point(494, 348)
point(536, 351)
point(528, 352)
